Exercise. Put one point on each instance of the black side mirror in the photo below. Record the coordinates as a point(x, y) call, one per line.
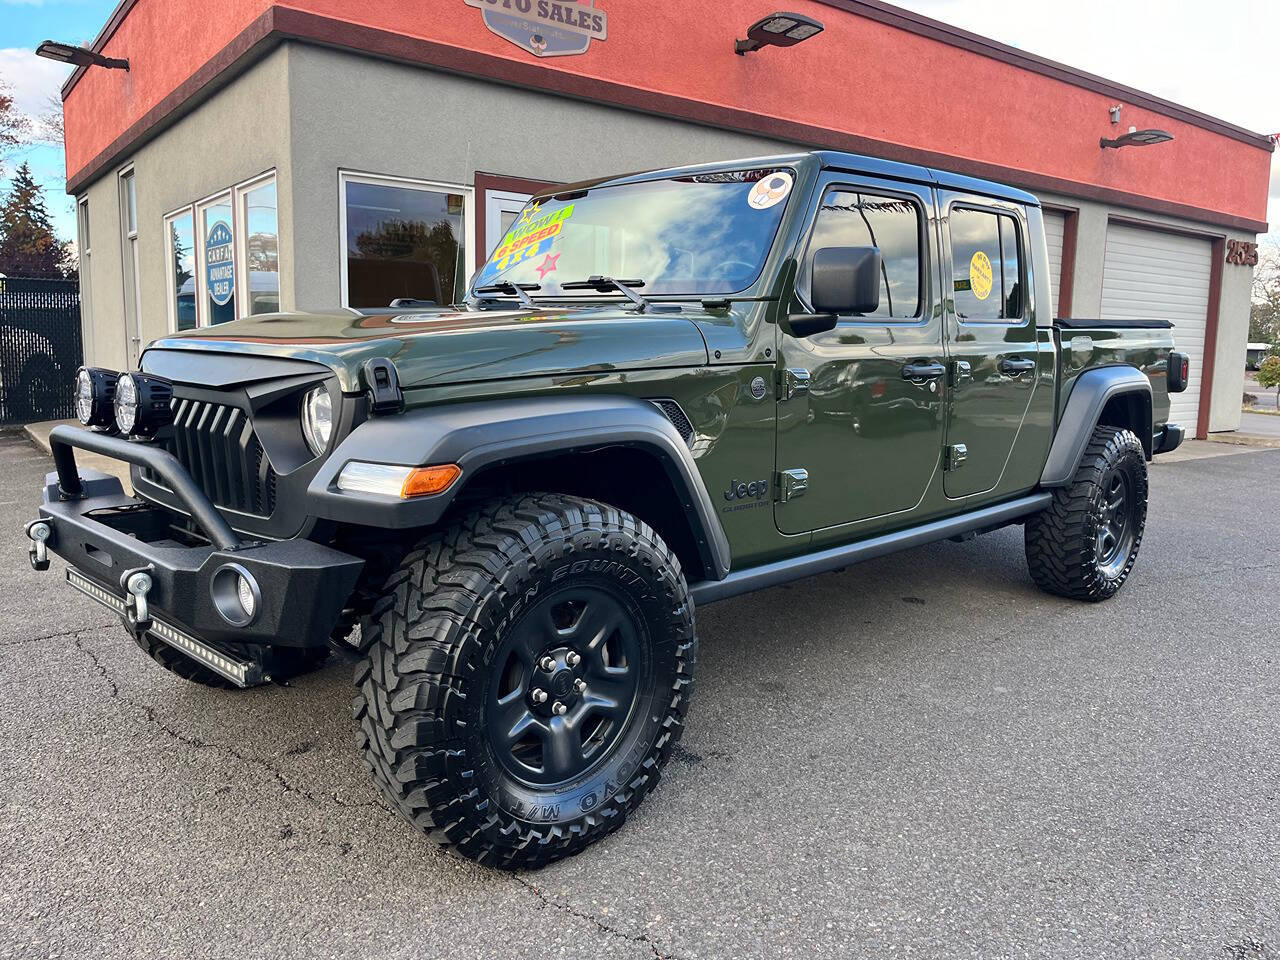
point(846, 280)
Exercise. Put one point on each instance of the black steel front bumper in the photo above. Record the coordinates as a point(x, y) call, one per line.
point(105, 536)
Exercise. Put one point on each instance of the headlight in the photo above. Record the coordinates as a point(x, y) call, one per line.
point(94, 391)
point(142, 404)
point(317, 419)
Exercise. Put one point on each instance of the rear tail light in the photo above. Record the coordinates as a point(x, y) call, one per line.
point(1179, 371)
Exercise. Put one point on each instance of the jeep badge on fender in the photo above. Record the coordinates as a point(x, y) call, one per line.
point(507, 509)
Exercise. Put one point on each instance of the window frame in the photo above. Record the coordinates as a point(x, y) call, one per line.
point(240, 230)
point(84, 252)
point(226, 196)
point(468, 193)
point(1014, 214)
point(170, 287)
point(923, 314)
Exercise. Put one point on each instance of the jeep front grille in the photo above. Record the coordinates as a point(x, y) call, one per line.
point(217, 445)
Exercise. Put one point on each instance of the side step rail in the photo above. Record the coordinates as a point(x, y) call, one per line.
point(243, 672)
point(824, 561)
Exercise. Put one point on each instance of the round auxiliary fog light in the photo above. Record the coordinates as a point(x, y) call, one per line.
point(126, 403)
point(95, 391)
point(235, 594)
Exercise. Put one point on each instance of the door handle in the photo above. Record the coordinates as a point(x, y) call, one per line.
point(923, 371)
point(1012, 367)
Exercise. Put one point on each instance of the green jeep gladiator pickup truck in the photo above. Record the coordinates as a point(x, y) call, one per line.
point(662, 390)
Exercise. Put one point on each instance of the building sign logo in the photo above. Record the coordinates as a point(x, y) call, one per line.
point(219, 264)
point(546, 28)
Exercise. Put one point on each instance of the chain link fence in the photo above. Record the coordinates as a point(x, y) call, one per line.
point(40, 348)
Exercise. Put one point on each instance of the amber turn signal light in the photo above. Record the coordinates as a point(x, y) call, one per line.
point(424, 481)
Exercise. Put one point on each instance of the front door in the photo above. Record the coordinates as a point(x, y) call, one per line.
point(864, 415)
point(992, 342)
point(502, 207)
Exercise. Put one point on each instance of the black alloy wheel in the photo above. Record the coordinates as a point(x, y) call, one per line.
point(568, 677)
point(1116, 523)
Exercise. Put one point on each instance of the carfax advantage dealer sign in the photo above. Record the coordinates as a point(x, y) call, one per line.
point(545, 28)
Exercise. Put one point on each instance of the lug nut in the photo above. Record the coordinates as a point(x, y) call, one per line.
point(559, 709)
point(573, 659)
point(580, 685)
point(547, 663)
point(539, 695)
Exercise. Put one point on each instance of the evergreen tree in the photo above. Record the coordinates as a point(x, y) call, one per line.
point(28, 245)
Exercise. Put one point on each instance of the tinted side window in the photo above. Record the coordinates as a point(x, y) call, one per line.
point(852, 219)
point(986, 259)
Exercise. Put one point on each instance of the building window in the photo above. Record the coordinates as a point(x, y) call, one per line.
point(216, 261)
point(258, 240)
point(86, 275)
point(987, 266)
point(403, 239)
point(849, 218)
point(179, 229)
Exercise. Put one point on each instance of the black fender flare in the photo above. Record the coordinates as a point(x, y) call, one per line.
point(1089, 397)
point(483, 434)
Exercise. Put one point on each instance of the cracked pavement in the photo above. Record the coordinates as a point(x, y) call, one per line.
point(919, 756)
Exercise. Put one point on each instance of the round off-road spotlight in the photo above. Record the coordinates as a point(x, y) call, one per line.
point(235, 594)
point(142, 404)
point(95, 389)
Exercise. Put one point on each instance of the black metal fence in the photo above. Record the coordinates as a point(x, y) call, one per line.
point(40, 348)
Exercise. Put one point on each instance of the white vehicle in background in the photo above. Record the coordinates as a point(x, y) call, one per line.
point(1254, 353)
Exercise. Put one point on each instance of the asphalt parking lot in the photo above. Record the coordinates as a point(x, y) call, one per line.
point(920, 756)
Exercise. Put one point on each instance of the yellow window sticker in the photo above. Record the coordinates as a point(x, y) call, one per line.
point(980, 275)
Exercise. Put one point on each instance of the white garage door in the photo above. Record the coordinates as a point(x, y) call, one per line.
point(1054, 225)
point(1150, 273)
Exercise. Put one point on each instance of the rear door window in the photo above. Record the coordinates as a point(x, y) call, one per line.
point(986, 261)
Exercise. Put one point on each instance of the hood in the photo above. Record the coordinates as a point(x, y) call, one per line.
point(437, 347)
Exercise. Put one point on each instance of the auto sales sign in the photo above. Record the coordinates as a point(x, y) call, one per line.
point(546, 28)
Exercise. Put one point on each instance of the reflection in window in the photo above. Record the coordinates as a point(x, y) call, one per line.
point(850, 219)
point(261, 239)
point(182, 261)
point(403, 242)
point(987, 265)
point(219, 262)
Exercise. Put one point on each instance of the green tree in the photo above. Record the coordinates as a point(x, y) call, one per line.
point(28, 245)
point(1264, 306)
point(1269, 375)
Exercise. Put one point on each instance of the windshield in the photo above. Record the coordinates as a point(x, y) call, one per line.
point(698, 235)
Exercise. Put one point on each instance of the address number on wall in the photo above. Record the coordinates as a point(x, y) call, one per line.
point(1243, 252)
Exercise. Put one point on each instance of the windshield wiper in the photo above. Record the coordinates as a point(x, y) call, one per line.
point(514, 289)
point(606, 284)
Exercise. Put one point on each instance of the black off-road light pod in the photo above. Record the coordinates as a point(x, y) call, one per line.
point(155, 410)
point(102, 388)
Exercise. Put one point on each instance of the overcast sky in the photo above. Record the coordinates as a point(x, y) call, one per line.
point(1217, 59)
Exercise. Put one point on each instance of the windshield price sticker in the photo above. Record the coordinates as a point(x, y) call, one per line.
point(770, 190)
point(531, 236)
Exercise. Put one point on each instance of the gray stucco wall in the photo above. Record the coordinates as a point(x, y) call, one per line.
point(309, 112)
point(239, 132)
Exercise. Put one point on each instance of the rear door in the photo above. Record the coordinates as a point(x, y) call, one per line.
point(867, 434)
point(991, 340)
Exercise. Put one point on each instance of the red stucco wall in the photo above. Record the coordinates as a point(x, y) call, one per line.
point(860, 76)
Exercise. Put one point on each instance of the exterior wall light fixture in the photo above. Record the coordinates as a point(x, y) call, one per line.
point(78, 56)
point(779, 29)
point(1136, 138)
